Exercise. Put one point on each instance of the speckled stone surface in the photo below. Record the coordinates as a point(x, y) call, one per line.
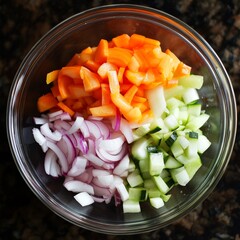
point(22, 215)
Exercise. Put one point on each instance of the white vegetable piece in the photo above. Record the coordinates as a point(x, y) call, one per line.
point(84, 199)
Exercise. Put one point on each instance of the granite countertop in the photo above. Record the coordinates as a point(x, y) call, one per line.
point(22, 215)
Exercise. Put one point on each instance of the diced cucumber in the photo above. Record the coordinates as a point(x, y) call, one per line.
point(156, 163)
point(156, 101)
point(154, 192)
point(156, 202)
point(171, 162)
point(161, 185)
point(180, 176)
point(174, 103)
point(138, 194)
point(141, 131)
point(177, 149)
point(134, 179)
point(203, 144)
point(190, 96)
point(176, 92)
point(171, 138)
point(139, 148)
point(144, 167)
point(196, 122)
point(131, 206)
point(171, 122)
point(193, 134)
point(192, 166)
point(191, 81)
point(192, 150)
point(194, 109)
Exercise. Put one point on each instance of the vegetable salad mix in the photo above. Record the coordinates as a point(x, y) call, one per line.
point(122, 120)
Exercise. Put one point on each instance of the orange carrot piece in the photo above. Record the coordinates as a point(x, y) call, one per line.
point(119, 56)
point(119, 101)
point(85, 55)
point(91, 65)
point(77, 91)
point(52, 76)
point(121, 41)
point(63, 83)
point(139, 99)
point(135, 77)
point(91, 80)
point(133, 64)
point(65, 108)
point(131, 93)
point(182, 70)
point(152, 41)
point(103, 111)
point(175, 59)
point(104, 68)
point(120, 74)
point(106, 99)
point(101, 53)
point(113, 82)
point(71, 71)
point(143, 106)
point(55, 91)
point(133, 115)
point(136, 40)
point(46, 102)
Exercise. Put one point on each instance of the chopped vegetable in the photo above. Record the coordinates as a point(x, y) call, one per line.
point(122, 120)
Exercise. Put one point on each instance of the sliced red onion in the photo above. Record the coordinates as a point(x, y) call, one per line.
point(61, 157)
point(61, 125)
point(117, 121)
point(84, 130)
point(103, 181)
point(78, 166)
point(104, 129)
point(94, 159)
point(40, 120)
point(122, 166)
point(86, 176)
point(99, 172)
point(122, 191)
point(94, 129)
point(76, 125)
point(71, 153)
point(39, 138)
point(84, 199)
point(78, 186)
point(126, 130)
point(46, 131)
point(50, 157)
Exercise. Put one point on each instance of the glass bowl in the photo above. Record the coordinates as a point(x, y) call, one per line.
point(85, 29)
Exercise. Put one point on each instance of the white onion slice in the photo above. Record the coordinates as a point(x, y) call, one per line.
point(39, 138)
point(84, 199)
point(122, 166)
point(78, 166)
point(126, 130)
point(122, 191)
point(78, 186)
point(61, 157)
point(76, 125)
point(46, 131)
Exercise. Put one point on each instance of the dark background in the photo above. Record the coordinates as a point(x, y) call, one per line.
point(22, 215)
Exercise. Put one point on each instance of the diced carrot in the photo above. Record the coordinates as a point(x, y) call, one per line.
point(152, 42)
point(146, 115)
point(103, 111)
point(104, 68)
point(71, 71)
point(77, 91)
point(133, 65)
point(182, 70)
point(63, 83)
point(135, 77)
point(119, 101)
point(46, 102)
point(119, 56)
point(91, 80)
point(101, 53)
point(136, 41)
point(120, 74)
point(139, 99)
point(121, 41)
point(175, 59)
point(131, 93)
point(133, 115)
point(166, 66)
point(149, 77)
point(52, 76)
point(113, 82)
point(124, 87)
point(141, 59)
point(91, 65)
point(74, 60)
point(85, 55)
point(106, 99)
point(55, 90)
point(65, 108)
point(143, 106)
